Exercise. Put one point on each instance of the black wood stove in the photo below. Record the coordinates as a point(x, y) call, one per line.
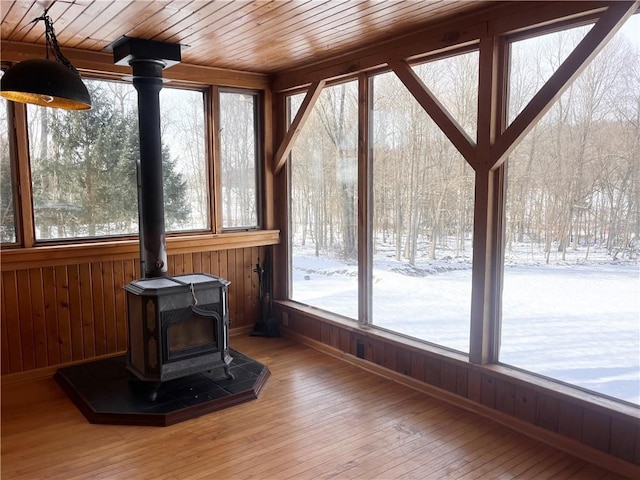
point(178, 326)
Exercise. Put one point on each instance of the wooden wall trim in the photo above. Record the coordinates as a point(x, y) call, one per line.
point(108, 250)
point(281, 257)
point(48, 372)
point(555, 440)
point(101, 62)
point(268, 193)
point(212, 111)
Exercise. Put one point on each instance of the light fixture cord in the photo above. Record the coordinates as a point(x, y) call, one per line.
point(52, 41)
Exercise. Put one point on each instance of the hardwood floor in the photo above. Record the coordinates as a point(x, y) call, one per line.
point(317, 417)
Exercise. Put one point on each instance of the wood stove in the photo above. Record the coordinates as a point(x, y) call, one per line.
point(178, 326)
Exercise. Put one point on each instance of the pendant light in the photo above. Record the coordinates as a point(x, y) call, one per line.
point(48, 83)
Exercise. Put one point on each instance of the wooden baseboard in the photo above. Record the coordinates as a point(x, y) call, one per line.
point(48, 372)
point(234, 332)
point(547, 437)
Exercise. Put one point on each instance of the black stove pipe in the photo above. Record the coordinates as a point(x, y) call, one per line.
point(147, 59)
point(147, 79)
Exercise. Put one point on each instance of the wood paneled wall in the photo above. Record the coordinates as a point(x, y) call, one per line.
point(52, 315)
point(614, 432)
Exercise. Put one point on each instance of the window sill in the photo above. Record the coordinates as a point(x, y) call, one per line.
point(373, 332)
point(558, 390)
point(106, 250)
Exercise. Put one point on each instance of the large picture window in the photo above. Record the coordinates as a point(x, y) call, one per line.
point(570, 306)
point(83, 164)
point(323, 206)
point(422, 208)
point(565, 305)
point(239, 177)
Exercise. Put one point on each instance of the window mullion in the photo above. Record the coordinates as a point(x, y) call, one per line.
point(365, 180)
point(215, 163)
point(24, 214)
point(487, 224)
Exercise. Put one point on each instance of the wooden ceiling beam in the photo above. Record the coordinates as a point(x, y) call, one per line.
point(361, 60)
point(102, 63)
point(440, 36)
point(541, 14)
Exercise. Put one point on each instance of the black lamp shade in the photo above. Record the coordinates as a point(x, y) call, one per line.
point(46, 83)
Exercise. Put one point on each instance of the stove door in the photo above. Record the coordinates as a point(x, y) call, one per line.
point(189, 332)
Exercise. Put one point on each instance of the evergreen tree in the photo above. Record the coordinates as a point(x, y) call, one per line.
point(85, 179)
point(176, 207)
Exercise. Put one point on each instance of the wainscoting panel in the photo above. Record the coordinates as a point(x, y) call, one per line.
point(56, 314)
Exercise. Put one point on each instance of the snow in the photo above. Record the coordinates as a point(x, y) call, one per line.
point(575, 321)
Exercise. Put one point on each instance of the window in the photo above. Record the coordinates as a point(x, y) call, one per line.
point(422, 206)
point(239, 177)
point(572, 226)
point(7, 206)
point(567, 300)
point(183, 136)
point(323, 205)
point(422, 213)
point(83, 164)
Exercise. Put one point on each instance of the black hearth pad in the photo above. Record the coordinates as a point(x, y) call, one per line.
point(105, 392)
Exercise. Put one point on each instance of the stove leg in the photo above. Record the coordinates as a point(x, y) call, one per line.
point(147, 389)
point(229, 375)
point(153, 392)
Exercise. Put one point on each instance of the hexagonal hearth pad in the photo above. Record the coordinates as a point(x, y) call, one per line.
point(105, 391)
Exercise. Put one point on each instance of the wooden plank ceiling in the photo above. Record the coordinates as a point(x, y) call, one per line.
point(264, 36)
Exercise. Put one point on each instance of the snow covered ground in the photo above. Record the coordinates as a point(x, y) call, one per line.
point(574, 321)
